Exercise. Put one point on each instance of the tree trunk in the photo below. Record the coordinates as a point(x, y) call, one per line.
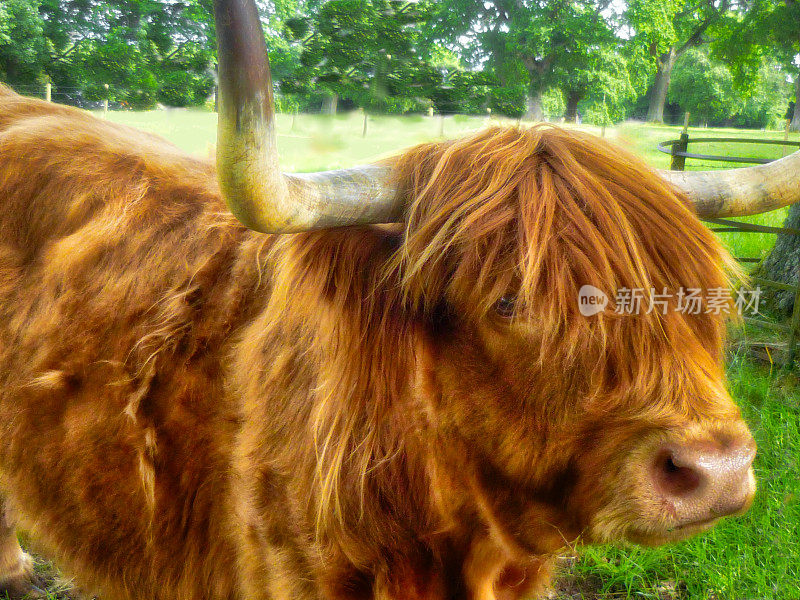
point(329, 104)
point(658, 97)
point(535, 111)
point(795, 124)
point(537, 77)
point(571, 111)
point(783, 265)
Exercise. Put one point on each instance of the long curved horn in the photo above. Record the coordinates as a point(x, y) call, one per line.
point(740, 192)
point(256, 191)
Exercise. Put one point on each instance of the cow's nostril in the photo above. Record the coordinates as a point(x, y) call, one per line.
point(675, 480)
point(702, 480)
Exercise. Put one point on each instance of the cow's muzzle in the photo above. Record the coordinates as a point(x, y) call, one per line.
point(698, 481)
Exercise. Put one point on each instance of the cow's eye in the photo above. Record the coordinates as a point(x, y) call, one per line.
point(505, 306)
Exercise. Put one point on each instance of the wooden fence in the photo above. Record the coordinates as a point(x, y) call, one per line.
point(678, 150)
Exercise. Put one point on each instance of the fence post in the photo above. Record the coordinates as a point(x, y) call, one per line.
point(441, 125)
point(105, 101)
point(48, 92)
point(679, 162)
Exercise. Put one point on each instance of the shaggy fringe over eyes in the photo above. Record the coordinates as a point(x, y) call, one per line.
point(536, 214)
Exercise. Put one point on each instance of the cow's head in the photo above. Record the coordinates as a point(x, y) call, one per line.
point(567, 426)
point(612, 425)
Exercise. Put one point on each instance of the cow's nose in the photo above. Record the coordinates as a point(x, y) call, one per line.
point(705, 480)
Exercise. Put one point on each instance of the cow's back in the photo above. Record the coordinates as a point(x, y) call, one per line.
point(61, 166)
point(121, 281)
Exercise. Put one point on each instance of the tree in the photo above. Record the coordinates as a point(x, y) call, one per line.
point(765, 103)
point(769, 27)
point(534, 44)
point(361, 50)
point(704, 88)
point(593, 66)
point(145, 50)
point(794, 124)
point(668, 29)
point(511, 38)
point(23, 47)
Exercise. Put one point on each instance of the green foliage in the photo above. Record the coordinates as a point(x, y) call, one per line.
point(656, 23)
point(661, 26)
point(453, 90)
point(145, 50)
point(706, 88)
point(769, 28)
point(513, 101)
point(363, 51)
point(765, 105)
point(23, 48)
point(397, 56)
point(400, 106)
point(532, 46)
point(287, 103)
point(603, 81)
point(509, 101)
point(184, 88)
point(553, 103)
point(703, 87)
point(666, 29)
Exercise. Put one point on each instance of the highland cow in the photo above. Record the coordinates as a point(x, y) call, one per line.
point(191, 409)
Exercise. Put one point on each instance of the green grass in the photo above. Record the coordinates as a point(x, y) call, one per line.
point(753, 557)
point(315, 142)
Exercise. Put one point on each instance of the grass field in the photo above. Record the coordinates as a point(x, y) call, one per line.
point(753, 557)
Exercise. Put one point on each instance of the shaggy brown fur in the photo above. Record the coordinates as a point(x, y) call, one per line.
point(192, 410)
